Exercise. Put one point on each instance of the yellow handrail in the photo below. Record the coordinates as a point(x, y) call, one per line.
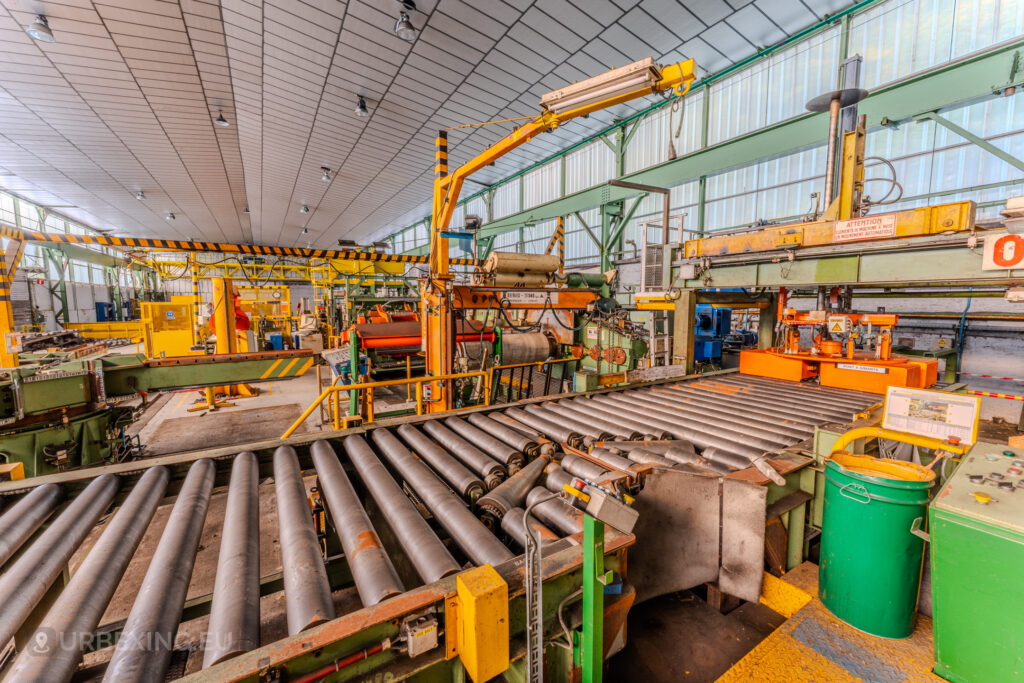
point(881, 432)
point(333, 392)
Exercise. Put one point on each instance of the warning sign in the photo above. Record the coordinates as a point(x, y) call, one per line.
point(870, 227)
point(1003, 252)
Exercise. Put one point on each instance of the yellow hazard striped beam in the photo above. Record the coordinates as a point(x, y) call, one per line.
point(11, 232)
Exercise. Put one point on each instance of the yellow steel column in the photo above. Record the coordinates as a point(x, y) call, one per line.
point(8, 358)
point(435, 313)
point(196, 302)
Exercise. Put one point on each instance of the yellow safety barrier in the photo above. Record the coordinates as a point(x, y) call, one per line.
point(333, 392)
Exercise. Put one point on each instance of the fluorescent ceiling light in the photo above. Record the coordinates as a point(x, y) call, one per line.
point(641, 75)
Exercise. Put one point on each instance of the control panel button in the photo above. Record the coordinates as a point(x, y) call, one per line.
point(1009, 454)
point(982, 498)
point(1018, 463)
point(1006, 486)
point(1016, 471)
point(976, 478)
point(996, 476)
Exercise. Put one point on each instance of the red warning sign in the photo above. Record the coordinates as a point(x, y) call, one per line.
point(867, 228)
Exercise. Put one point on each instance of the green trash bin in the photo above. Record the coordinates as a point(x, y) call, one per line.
point(870, 568)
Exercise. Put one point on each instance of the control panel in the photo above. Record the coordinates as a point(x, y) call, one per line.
point(988, 485)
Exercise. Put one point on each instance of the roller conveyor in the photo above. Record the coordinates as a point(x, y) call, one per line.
point(371, 484)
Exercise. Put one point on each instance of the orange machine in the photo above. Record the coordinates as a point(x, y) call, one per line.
point(833, 357)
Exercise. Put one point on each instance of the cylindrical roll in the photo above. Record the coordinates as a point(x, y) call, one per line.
point(517, 262)
point(144, 650)
point(555, 513)
point(307, 592)
point(511, 493)
point(374, 575)
point(512, 524)
point(21, 520)
point(424, 549)
point(549, 428)
point(646, 457)
point(516, 280)
point(612, 460)
point(25, 583)
point(63, 634)
point(469, 532)
point(526, 347)
point(497, 449)
point(454, 472)
point(555, 478)
point(235, 608)
point(585, 469)
point(471, 456)
point(606, 413)
point(558, 416)
point(611, 426)
point(506, 434)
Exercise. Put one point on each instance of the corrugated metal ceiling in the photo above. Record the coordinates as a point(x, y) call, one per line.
point(125, 100)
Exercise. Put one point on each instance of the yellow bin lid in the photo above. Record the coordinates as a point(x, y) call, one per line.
point(883, 468)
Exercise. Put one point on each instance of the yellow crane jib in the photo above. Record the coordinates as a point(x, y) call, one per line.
point(617, 86)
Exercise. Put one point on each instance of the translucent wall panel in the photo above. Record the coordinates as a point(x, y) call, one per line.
point(477, 207)
point(542, 184)
point(667, 133)
point(682, 200)
point(591, 164)
point(506, 199)
point(902, 37)
point(799, 74)
point(579, 247)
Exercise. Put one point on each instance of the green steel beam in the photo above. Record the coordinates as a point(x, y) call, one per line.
point(971, 137)
point(958, 84)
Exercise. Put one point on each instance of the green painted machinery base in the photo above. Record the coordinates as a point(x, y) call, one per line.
point(88, 431)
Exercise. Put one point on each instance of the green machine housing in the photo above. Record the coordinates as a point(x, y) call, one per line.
point(977, 553)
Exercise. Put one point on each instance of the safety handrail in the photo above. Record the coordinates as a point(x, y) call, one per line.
point(334, 392)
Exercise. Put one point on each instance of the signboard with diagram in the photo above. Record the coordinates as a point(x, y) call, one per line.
point(936, 414)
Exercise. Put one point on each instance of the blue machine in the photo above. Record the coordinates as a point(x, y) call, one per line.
point(104, 311)
point(713, 325)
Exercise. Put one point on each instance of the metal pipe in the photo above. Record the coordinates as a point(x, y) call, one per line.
point(65, 632)
point(454, 472)
point(550, 429)
point(374, 575)
point(704, 434)
point(143, 651)
point(24, 517)
point(648, 458)
point(581, 426)
point(511, 493)
point(578, 467)
point(555, 478)
point(469, 532)
point(518, 426)
point(523, 444)
point(555, 513)
point(424, 549)
point(307, 591)
point(763, 408)
point(512, 459)
point(471, 456)
point(755, 432)
point(612, 459)
point(678, 431)
point(717, 411)
point(25, 583)
point(235, 609)
point(604, 413)
point(830, 161)
point(512, 524)
point(611, 426)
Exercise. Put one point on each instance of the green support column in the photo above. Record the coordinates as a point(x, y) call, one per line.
point(766, 320)
point(594, 579)
point(684, 319)
point(353, 369)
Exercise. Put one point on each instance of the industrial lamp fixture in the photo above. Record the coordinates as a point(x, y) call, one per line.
point(304, 209)
point(170, 216)
point(221, 121)
point(40, 30)
point(403, 27)
point(305, 231)
point(140, 195)
point(347, 244)
point(361, 107)
point(642, 75)
point(325, 174)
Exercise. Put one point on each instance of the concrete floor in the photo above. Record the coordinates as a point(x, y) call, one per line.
point(168, 426)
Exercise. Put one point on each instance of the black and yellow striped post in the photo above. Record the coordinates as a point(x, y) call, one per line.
point(558, 239)
point(194, 267)
point(8, 359)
